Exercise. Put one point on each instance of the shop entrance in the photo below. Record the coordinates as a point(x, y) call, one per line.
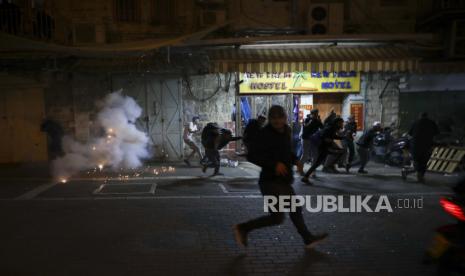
point(325, 102)
point(260, 104)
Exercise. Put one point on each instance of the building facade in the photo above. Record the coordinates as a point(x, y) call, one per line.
point(183, 58)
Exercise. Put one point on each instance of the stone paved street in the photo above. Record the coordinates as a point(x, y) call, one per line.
point(179, 223)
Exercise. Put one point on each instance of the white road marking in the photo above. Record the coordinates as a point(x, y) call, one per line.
point(223, 188)
point(137, 198)
point(229, 195)
point(35, 192)
point(226, 191)
point(151, 191)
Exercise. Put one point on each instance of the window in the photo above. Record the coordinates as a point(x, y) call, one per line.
point(127, 10)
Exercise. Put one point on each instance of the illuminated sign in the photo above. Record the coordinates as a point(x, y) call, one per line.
point(299, 82)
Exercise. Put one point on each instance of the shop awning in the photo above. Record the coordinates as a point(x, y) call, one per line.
point(361, 59)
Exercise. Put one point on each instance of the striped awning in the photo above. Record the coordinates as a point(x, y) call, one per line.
point(361, 59)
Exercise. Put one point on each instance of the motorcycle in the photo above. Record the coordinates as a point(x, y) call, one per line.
point(448, 246)
point(393, 152)
point(398, 153)
point(381, 143)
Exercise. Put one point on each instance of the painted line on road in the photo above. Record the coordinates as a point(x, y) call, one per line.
point(35, 192)
point(151, 191)
point(138, 178)
point(137, 198)
point(226, 196)
point(226, 191)
point(321, 175)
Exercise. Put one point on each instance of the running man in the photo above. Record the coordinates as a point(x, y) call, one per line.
point(188, 136)
point(274, 155)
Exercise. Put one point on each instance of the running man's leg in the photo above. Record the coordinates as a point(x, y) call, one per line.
point(320, 159)
point(195, 149)
point(364, 156)
point(305, 151)
point(216, 161)
point(276, 218)
point(273, 218)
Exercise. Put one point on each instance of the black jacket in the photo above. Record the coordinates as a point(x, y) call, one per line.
point(210, 134)
point(366, 140)
point(349, 129)
point(324, 137)
point(423, 132)
point(310, 128)
point(273, 147)
point(251, 131)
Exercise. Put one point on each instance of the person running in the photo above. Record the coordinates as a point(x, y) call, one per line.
point(423, 132)
point(189, 130)
point(214, 139)
point(323, 140)
point(364, 145)
point(330, 118)
point(350, 129)
point(210, 141)
point(312, 125)
point(252, 129)
point(274, 155)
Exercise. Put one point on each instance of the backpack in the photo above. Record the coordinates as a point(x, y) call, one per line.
point(209, 134)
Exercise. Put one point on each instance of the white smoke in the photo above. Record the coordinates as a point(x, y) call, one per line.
point(122, 146)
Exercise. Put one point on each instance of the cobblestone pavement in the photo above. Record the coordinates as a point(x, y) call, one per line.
point(179, 223)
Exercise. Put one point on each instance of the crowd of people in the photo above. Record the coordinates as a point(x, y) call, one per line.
point(328, 143)
point(271, 148)
point(331, 143)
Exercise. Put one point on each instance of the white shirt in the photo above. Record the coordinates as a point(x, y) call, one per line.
point(189, 131)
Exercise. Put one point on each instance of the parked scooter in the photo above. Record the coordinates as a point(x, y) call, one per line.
point(381, 143)
point(393, 152)
point(398, 153)
point(448, 246)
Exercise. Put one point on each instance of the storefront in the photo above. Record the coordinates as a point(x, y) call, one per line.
point(346, 79)
point(299, 92)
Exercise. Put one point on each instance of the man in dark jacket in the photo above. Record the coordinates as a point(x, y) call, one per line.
point(252, 129)
point(422, 131)
point(323, 140)
point(213, 139)
point(350, 129)
point(364, 144)
point(274, 155)
point(329, 120)
point(210, 140)
point(309, 128)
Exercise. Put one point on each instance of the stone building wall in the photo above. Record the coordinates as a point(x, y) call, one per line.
point(384, 109)
point(212, 98)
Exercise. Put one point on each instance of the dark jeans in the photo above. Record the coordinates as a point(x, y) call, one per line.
point(319, 160)
point(276, 218)
point(349, 145)
point(213, 159)
point(364, 154)
point(420, 160)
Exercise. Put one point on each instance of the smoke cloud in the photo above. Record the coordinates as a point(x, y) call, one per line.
point(121, 145)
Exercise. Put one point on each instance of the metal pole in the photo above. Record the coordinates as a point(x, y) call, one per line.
point(238, 113)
